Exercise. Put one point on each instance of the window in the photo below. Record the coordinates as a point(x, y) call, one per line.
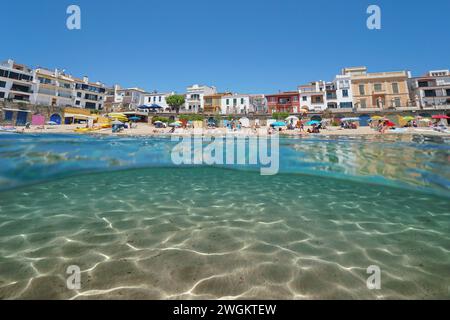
point(77, 102)
point(3, 73)
point(90, 105)
point(377, 87)
point(395, 88)
point(296, 98)
point(345, 93)
point(79, 94)
point(2, 94)
point(305, 98)
point(363, 103)
point(159, 98)
point(430, 93)
point(397, 102)
point(346, 105)
point(14, 75)
point(8, 115)
point(422, 84)
point(242, 100)
point(91, 97)
point(234, 102)
point(362, 90)
point(228, 102)
point(2, 84)
point(448, 92)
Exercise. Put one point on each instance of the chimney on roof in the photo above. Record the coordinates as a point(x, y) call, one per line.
point(85, 79)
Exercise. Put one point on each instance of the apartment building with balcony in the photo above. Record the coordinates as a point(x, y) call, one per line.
point(131, 98)
point(213, 103)
point(16, 82)
point(258, 103)
point(432, 89)
point(53, 88)
point(380, 90)
point(236, 104)
point(343, 93)
point(89, 95)
point(283, 102)
point(158, 99)
point(313, 96)
point(195, 97)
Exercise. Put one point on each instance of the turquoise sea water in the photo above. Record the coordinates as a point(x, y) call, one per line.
point(140, 227)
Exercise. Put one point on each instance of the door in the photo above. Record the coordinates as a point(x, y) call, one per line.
point(21, 119)
point(56, 118)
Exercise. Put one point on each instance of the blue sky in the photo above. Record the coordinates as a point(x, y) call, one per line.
point(243, 46)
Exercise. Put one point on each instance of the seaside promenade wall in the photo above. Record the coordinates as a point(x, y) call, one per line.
point(18, 114)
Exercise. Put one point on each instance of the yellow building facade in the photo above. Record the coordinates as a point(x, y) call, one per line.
point(380, 90)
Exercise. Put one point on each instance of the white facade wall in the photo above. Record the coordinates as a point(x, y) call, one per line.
point(194, 97)
point(307, 94)
point(235, 104)
point(8, 84)
point(341, 87)
point(158, 99)
point(344, 85)
point(51, 88)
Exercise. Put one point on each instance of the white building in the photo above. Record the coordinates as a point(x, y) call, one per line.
point(158, 99)
point(194, 97)
point(89, 95)
point(313, 96)
point(344, 93)
point(235, 104)
point(321, 95)
point(16, 82)
point(132, 98)
point(53, 88)
point(432, 89)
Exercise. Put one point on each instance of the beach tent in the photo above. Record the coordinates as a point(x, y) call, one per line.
point(294, 119)
point(245, 122)
point(312, 122)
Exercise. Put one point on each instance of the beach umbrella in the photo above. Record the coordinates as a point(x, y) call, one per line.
point(390, 124)
point(377, 118)
point(135, 118)
point(350, 119)
point(441, 116)
point(294, 118)
point(175, 124)
point(408, 118)
point(158, 122)
point(312, 122)
point(303, 110)
point(424, 120)
point(278, 124)
point(52, 123)
point(117, 122)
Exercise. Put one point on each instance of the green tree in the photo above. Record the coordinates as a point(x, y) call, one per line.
point(175, 102)
point(280, 115)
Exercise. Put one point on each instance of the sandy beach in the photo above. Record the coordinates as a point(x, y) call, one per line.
point(143, 129)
